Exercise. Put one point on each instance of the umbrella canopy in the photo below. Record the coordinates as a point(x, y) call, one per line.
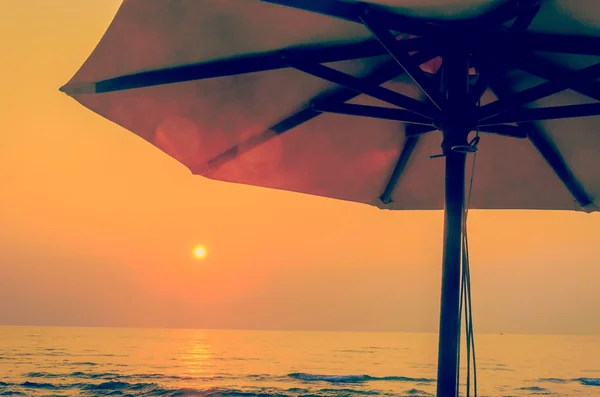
point(351, 100)
point(259, 128)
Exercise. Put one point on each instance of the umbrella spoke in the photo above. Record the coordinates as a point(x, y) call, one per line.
point(490, 71)
point(410, 143)
point(548, 113)
point(387, 39)
point(240, 65)
point(550, 153)
point(366, 88)
point(549, 70)
point(379, 75)
point(374, 112)
point(538, 92)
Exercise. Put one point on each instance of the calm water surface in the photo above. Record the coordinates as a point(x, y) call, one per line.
point(52, 361)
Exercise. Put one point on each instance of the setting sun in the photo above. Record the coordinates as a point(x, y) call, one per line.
point(199, 252)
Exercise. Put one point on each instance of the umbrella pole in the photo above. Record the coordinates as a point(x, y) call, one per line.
point(449, 336)
point(457, 114)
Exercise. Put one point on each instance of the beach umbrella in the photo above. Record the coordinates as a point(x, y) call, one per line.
point(376, 102)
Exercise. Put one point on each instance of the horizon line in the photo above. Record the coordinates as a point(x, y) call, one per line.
point(132, 327)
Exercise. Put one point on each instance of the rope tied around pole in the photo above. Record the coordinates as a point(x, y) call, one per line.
point(470, 147)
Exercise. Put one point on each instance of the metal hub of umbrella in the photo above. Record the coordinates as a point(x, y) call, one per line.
point(377, 102)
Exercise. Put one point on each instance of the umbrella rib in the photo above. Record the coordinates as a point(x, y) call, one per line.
point(540, 91)
point(550, 153)
point(553, 157)
point(489, 72)
point(376, 112)
point(339, 95)
point(410, 143)
point(248, 63)
point(549, 70)
point(379, 75)
point(403, 58)
point(366, 88)
point(547, 113)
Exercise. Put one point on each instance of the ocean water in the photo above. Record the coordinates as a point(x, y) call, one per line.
point(53, 361)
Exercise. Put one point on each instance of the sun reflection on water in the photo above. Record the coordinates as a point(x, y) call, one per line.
point(197, 356)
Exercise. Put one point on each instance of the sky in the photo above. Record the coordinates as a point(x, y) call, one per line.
point(98, 228)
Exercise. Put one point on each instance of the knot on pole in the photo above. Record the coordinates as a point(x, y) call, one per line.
point(471, 147)
point(450, 142)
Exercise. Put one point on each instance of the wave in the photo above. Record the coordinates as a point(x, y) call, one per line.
point(113, 388)
point(286, 393)
point(531, 388)
point(101, 388)
point(589, 381)
point(346, 391)
point(121, 386)
point(113, 376)
point(583, 381)
point(417, 392)
point(104, 375)
point(535, 390)
point(554, 380)
point(37, 385)
point(355, 378)
point(109, 383)
point(77, 374)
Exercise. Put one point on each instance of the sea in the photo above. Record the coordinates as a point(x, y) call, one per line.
point(55, 361)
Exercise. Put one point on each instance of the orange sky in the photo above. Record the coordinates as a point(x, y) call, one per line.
point(97, 227)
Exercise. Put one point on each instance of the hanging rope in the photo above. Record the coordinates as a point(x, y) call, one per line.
point(465, 288)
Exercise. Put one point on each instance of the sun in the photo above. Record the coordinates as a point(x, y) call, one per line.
point(199, 252)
